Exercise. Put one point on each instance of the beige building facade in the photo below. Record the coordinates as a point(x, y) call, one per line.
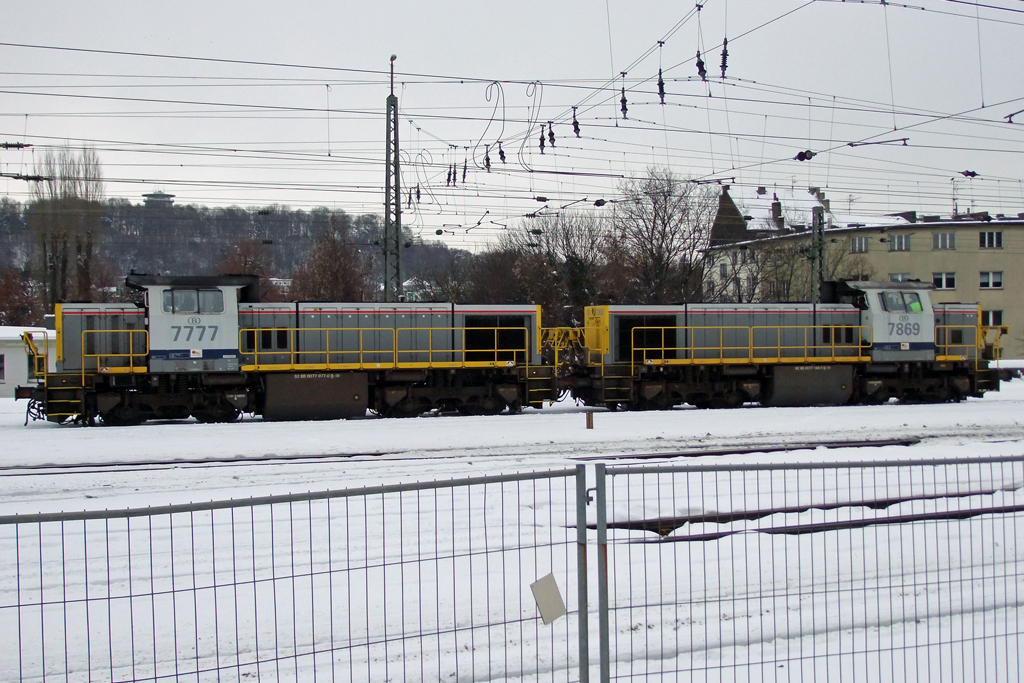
point(973, 260)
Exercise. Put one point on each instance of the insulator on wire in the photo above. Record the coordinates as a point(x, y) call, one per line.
point(410, 198)
point(701, 71)
point(661, 87)
point(542, 139)
point(455, 175)
point(551, 134)
point(501, 153)
point(417, 193)
point(575, 123)
point(622, 101)
point(487, 158)
point(725, 55)
point(465, 163)
point(448, 180)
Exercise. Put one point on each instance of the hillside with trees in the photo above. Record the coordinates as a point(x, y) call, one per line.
point(70, 244)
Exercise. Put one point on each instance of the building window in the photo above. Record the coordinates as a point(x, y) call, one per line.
point(859, 245)
point(991, 318)
point(899, 243)
point(944, 280)
point(990, 239)
point(723, 271)
point(991, 279)
point(899, 277)
point(943, 240)
point(3, 376)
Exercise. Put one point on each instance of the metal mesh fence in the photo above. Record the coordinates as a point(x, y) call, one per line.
point(839, 572)
point(845, 571)
point(418, 582)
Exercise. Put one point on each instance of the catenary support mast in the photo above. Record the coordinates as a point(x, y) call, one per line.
point(392, 203)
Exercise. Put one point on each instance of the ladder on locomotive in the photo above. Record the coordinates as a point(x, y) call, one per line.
point(540, 385)
point(63, 394)
point(617, 381)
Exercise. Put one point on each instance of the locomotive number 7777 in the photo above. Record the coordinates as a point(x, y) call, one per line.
point(191, 328)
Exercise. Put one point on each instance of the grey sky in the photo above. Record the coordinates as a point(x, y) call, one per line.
point(231, 133)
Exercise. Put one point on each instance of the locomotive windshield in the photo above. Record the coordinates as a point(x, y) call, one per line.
point(193, 301)
point(901, 302)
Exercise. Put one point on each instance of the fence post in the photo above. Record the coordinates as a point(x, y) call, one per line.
point(602, 573)
point(581, 572)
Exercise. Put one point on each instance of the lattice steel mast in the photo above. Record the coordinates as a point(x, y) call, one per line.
point(392, 203)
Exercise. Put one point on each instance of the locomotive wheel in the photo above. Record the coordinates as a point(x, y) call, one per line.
point(123, 416)
point(733, 399)
point(221, 412)
point(407, 408)
point(487, 405)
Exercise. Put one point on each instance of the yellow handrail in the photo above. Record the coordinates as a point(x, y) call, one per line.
point(390, 352)
point(130, 367)
point(714, 348)
point(33, 351)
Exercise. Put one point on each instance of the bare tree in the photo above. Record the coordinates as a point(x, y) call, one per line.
point(19, 303)
point(782, 268)
point(252, 257)
point(661, 232)
point(449, 279)
point(335, 270)
point(65, 217)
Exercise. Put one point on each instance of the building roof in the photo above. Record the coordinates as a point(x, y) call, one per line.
point(10, 333)
point(797, 206)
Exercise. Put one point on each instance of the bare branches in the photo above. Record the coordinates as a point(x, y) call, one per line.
point(65, 217)
point(661, 231)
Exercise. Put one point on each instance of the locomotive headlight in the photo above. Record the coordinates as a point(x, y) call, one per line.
point(510, 364)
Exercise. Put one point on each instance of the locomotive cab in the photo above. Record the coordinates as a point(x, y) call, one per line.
point(193, 321)
point(900, 319)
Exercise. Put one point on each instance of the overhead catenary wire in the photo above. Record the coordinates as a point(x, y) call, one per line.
point(587, 152)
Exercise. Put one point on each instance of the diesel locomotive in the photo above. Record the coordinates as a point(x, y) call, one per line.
point(206, 347)
point(867, 342)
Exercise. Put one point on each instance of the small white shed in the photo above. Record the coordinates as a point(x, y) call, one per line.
point(14, 361)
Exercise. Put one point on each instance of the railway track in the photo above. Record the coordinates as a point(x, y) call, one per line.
point(780, 448)
point(179, 463)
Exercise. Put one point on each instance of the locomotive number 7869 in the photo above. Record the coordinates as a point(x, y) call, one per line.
point(904, 329)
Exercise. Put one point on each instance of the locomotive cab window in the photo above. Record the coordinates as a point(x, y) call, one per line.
point(191, 301)
point(901, 302)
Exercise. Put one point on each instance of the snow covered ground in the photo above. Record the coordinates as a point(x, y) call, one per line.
point(374, 451)
point(943, 600)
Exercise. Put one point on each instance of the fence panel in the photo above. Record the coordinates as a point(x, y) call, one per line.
point(400, 583)
point(839, 572)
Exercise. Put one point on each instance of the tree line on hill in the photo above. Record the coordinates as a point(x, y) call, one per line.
point(68, 243)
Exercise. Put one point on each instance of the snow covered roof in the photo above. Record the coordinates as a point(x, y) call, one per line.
point(9, 333)
point(797, 206)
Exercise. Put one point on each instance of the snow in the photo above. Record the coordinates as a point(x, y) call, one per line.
point(865, 596)
point(9, 333)
point(442, 447)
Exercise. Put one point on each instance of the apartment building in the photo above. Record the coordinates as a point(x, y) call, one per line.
point(974, 258)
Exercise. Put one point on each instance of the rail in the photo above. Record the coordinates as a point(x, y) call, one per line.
point(990, 340)
point(750, 344)
point(382, 348)
point(958, 342)
point(40, 360)
point(134, 360)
